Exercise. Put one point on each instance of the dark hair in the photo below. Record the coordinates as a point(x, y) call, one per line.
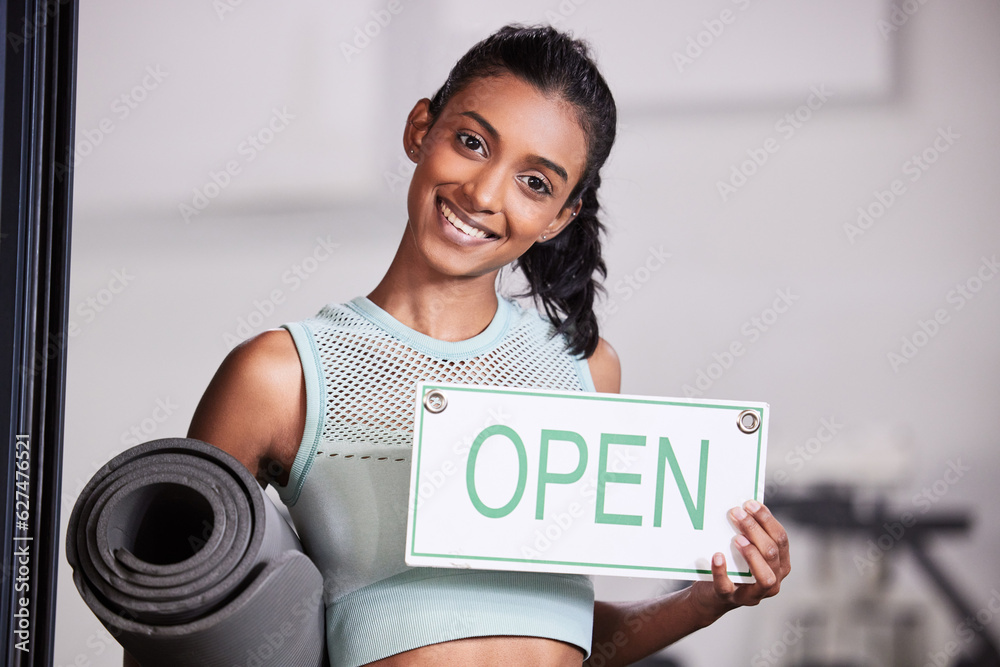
point(560, 272)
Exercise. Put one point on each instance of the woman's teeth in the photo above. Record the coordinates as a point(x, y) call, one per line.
point(458, 224)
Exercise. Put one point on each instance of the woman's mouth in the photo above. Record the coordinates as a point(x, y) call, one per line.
point(461, 226)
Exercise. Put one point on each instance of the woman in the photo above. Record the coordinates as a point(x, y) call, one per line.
point(507, 155)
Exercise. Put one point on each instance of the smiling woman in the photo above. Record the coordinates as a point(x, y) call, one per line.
point(487, 183)
point(508, 155)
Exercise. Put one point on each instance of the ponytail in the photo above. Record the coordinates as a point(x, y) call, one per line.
point(565, 274)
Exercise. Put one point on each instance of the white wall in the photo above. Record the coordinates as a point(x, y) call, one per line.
point(331, 174)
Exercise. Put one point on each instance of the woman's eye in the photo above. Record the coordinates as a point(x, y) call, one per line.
point(537, 184)
point(473, 143)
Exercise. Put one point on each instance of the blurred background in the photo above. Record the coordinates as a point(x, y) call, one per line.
point(815, 180)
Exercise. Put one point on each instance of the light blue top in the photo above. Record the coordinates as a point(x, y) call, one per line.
point(348, 487)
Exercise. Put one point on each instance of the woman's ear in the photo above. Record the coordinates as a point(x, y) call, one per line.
point(417, 124)
point(566, 216)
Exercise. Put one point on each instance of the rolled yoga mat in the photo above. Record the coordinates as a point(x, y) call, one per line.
point(179, 552)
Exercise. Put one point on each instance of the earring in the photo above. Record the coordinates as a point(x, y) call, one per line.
point(545, 236)
point(412, 151)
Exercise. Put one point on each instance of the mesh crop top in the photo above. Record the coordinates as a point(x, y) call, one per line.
point(347, 490)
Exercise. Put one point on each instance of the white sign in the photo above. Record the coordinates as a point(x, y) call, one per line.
point(583, 483)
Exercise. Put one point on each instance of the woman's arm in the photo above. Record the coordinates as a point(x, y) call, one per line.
point(629, 631)
point(254, 408)
point(626, 632)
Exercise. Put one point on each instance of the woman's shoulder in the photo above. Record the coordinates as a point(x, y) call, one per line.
point(268, 359)
point(254, 407)
point(605, 368)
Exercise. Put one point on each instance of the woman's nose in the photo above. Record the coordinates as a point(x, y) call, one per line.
point(485, 189)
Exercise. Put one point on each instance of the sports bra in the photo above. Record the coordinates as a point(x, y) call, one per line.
point(348, 487)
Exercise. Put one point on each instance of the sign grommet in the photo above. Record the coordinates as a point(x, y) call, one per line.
point(435, 401)
point(747, 421)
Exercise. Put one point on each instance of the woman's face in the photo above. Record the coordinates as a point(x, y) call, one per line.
point(492, 175)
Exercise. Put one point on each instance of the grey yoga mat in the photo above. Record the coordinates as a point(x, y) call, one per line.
point(178, 551)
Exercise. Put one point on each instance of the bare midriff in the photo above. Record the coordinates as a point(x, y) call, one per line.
point(489, 652)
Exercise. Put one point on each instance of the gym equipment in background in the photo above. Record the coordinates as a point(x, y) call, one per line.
point(841, 514)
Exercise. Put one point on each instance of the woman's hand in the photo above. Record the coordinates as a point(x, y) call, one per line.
point(634, 630)
point(763, 542)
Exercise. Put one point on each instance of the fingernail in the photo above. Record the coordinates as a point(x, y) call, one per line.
point(718, 560)
point(742, 541)
point(739, 513)
point(751, 505)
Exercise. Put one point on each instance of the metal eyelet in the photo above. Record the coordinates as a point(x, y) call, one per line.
point(748, 421)
point(435, 401)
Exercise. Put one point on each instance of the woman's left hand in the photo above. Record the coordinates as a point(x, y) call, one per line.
point(635, 630)
point(763, 542)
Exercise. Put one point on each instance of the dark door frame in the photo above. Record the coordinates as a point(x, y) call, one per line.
point(37, 102)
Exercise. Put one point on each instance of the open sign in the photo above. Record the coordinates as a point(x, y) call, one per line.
point(583, 483)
